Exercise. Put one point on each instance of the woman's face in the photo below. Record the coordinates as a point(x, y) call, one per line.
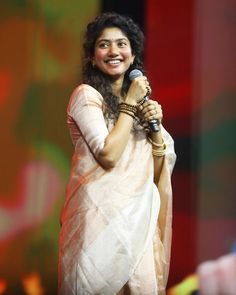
point(112, 53)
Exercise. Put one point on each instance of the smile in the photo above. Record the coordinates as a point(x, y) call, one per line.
point(113, 61)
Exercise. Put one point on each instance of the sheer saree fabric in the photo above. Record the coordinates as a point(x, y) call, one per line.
point(110, 217)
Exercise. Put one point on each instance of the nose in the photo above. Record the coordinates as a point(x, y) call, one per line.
point(113, 50)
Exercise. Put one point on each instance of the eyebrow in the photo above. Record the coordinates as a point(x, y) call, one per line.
point(111, 40)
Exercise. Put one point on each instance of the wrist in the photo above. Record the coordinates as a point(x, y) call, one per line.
point(158, 146)
point(130, 100)
point(156, 137)
point(129, 109)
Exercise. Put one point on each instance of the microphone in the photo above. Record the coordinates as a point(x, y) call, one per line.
point(153, 124)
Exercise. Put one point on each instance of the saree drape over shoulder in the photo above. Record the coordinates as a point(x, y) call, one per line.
point(111, 217)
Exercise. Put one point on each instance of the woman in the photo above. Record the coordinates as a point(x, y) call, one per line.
point(116, 220)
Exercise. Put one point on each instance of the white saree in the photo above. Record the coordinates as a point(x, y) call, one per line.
point(110, 217)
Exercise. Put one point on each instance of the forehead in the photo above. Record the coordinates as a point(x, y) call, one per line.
point(112, 33)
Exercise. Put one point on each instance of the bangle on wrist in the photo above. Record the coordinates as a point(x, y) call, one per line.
point(128, 107)
point(158, 149)
point(128, 113)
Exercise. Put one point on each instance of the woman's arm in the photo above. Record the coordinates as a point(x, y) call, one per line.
point(151, 110)
point(117, 139)
point(85, 108)
point(158, 160)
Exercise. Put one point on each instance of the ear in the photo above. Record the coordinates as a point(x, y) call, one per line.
point(132, 60)
point(93, 62)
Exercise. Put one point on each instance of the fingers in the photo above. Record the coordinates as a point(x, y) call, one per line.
point(151, 110)
point(148, 88)
point(142, 84)
point(139, 88)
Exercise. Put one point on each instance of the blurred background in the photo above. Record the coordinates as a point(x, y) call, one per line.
point(191, 64)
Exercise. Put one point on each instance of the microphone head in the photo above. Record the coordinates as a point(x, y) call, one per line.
point(134, 74)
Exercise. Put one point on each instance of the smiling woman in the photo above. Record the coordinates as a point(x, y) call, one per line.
point(113, 54)
point(116, 220)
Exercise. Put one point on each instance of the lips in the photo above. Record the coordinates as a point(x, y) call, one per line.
point(113, 61)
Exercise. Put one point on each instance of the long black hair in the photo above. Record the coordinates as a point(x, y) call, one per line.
point(92, 75)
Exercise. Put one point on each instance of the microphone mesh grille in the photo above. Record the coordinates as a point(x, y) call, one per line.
point(134, 74)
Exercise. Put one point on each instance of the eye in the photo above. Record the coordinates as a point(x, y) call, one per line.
point(103, 45)
point(122, 43)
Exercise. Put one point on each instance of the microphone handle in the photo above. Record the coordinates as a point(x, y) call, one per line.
point(153, 124)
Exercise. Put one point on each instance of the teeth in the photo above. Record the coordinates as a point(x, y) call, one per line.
point(113, 62)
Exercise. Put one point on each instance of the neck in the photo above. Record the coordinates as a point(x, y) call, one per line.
point(117, 86)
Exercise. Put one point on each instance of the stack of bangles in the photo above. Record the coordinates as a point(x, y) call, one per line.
point(128, 109)
point(158, 149)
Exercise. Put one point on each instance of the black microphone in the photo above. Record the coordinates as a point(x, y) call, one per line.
point(153, 124)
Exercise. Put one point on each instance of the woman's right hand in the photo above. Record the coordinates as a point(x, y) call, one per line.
point(138, 89)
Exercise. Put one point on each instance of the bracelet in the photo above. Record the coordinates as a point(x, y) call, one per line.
point(158, 145)
point(141, 102)
point(123, 108)
point(158, 153)
point(158, 149)
point(128, 107)
point(128, 113)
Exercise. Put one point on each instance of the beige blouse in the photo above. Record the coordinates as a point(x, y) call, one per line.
point(111, 216)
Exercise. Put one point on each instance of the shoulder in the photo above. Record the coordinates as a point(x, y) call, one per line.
point(85, 94)
point(87, 91)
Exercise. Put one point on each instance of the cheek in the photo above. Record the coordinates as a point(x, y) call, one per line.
point(127, 53)
point(99, 55)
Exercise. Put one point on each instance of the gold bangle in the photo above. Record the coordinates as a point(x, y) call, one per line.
point(158, 153)
point(158, 145)
point(158, 149)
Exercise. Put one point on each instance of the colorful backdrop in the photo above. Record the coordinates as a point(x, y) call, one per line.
point(190, 59)
point(192, 64)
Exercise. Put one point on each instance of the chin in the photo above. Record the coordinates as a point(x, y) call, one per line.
point(115, 73)
point(115, 77)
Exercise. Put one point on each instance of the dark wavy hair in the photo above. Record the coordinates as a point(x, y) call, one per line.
point(92, 75)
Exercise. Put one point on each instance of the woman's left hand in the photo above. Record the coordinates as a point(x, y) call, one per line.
point(151, 110)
